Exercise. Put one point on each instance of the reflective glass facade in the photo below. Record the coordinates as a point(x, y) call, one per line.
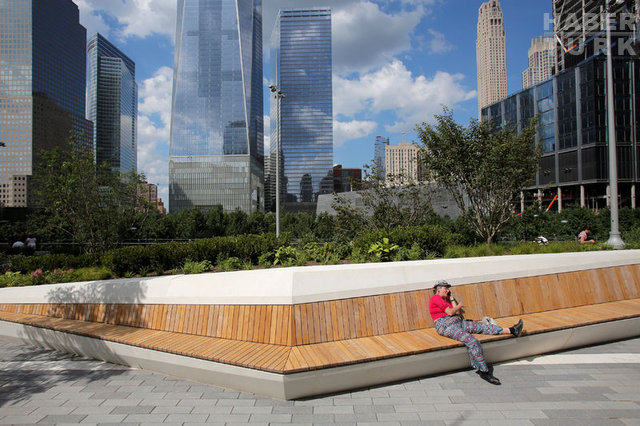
point(112, 104)
point(573, 129)
point(42, 88)
point(302, 69)
point(216, 147)
point(378, 155)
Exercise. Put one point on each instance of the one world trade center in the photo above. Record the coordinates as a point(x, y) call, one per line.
point(216, 145)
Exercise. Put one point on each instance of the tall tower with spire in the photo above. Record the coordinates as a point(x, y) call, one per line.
point(491, 55)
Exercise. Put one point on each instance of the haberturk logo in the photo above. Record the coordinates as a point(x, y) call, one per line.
point(622, 27)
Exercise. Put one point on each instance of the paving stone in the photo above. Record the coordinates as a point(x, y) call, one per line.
point(241, 409)
point(46, 411)
point(228, 418)
point(171, 410)
point(145, 418)
point(15, 420)
point(353, 401)
point(285, 409)
point(191, 418)
point(542, 394)
point(70, 418)
point(390, 417)
point(270, 418)
point(312, 418)
point(138, 409)
point(92, 410)
point(115, 402)
point(104, 418)
point(205, 409)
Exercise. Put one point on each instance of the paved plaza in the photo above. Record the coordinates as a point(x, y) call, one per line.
point(597, 385)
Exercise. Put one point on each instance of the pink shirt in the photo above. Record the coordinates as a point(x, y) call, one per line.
point(437, 306)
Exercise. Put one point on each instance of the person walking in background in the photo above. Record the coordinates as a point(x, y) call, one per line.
point(445, 312)
point(584, 235)
point(31, 242)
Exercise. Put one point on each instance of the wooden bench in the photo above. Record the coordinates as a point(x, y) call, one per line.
point(290, 339)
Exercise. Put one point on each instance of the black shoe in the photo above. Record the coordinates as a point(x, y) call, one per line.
point(516, 330)
point(489, 377)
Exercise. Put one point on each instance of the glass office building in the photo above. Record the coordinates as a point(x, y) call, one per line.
point(301, 67)
point(216, 147)
point(112, 104)
point(379, 148)
point(573, 132)
point(42, 89)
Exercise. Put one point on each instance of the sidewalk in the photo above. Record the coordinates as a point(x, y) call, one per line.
point(595, 385)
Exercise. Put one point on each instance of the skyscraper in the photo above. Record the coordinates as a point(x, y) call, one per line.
point(302, 70)
point(541, 61)
point(379, 155)
point(112, 104)
point(491, 55)
point(578, 29)
point(216, 143)
point(42, 95)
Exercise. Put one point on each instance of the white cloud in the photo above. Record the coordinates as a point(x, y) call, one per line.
point(154, 120)
point(91, 19)
point(348, 130)
point(155, 94)
point(135, 17)
point(364, 37)
point(394, 88)
point(438, 43)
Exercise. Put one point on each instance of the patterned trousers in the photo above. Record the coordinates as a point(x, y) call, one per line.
point(461, 330)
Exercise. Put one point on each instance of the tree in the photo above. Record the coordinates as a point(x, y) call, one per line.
point(387, 203)
point(483, 167)
point(78, 200)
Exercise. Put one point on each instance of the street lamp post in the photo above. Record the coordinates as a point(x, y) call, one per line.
point(615, 240)
point(278, 94)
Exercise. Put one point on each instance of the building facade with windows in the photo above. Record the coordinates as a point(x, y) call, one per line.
point(42, 90)
point(573, 132)
point(401, 164)
point(491, 54)
point(578, 27)
point(112, 105)
point(216, 142)
point(302, 121)
point(541, 61)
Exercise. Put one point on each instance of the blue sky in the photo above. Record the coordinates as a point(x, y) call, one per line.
point(396, 62)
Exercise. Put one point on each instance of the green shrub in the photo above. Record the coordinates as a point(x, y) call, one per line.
point(286, 256)
point(191, 267)
point(92, 274)
point(49, 262)
point(230, 264)
point(383, 250)
point(413, 253)
point(266, 259)
point(14, 279)
point(126, 260)
point(431, 239)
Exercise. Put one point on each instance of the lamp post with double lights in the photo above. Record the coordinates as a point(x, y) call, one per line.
point(278, 94)
point(615, 240)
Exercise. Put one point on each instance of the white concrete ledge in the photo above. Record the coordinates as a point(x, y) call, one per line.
point(314, 283)
point(318, 382)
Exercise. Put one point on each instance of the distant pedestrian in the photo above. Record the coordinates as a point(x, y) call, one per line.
point(31, 242)
point(445, 311)
point(584, 235)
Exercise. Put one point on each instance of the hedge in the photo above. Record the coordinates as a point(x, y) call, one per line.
point(157, 257)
